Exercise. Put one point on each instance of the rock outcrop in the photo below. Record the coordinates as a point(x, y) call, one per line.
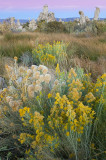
point(32, 25)
point(46, 15)
point(82, 18)
point(60, 20)
point(96, 15)
point(12, 23)
point(18, 25)
point(15, 26)
point(87, 19)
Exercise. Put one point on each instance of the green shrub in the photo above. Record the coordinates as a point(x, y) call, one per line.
point(100, 26)
point(55, 27)
point(41, 26)
point(70, 26)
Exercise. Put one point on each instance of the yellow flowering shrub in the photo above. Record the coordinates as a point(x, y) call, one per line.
point(48, 59)
point(50, 54)
point(52, 118)
point(64, 116)
point(41, 138)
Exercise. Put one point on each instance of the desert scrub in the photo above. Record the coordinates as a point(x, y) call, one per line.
point(13, 98)
point(57, 118)
point(50, 54)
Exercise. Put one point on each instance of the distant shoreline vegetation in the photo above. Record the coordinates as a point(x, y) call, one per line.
point(57, 19)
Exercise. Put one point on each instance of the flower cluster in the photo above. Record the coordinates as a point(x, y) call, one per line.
point(50, 54)
point(42, 137)
point(29, 81)
point(64, 116)
point(48, 59)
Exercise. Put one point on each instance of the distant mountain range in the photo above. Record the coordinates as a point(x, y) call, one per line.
point(72, 19)
point(63, 19)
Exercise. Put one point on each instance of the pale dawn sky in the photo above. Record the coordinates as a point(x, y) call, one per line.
point(24, 9)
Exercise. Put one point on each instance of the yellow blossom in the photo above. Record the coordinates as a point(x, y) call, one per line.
point(57, 69)
point(67, 133)
point(49, 95)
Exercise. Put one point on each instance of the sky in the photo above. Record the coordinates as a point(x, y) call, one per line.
point(25, 9)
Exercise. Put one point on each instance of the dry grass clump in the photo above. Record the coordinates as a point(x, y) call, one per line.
point(96, 68)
